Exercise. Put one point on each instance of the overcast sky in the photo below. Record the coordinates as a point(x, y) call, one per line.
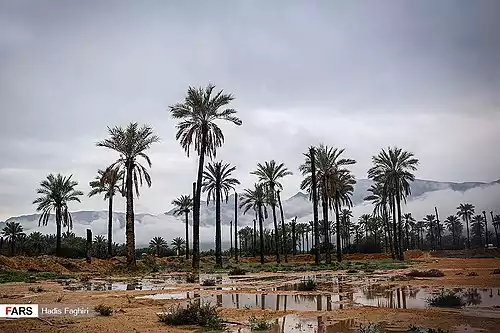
point(422, 75)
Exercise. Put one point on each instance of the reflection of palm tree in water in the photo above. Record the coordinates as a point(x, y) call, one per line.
point(472, 297)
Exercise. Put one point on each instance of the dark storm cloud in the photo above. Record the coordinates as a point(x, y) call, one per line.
point(424, 75)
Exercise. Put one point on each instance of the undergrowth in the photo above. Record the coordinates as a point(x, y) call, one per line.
point(446, 299)
point(195, 313)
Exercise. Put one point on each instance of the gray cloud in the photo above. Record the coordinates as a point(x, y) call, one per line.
point(362, 75)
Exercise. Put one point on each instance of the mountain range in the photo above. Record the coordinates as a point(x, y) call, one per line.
point(425, 195)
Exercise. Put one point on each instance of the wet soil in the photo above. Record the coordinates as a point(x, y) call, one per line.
point(342, 301)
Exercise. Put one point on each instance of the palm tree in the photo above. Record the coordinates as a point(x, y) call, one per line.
point(465, 211)
point(178, 244)
point(217, 182)
point(198, 115)
point(56, 192)
point(256, 199)
point(408, 220)
point(107, 183)
point(477, 229)
point(495, 220)
point(429, 221)
point(99, 246)
point(12, 231)
point(183, 205)
point(269, 175)
point(454, 226)
point(378, 197)
point(329, 172)
point(394, 169)
point(131, 143)
point(158, 244)
point(36, 241)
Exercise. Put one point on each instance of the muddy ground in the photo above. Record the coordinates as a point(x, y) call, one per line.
point(342, 300)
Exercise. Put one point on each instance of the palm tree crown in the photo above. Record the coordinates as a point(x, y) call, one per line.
point(218, 173)
point(182, 205)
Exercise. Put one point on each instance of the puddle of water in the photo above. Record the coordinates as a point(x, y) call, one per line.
point(377, 296)
point(186, 295)
point(134, 285)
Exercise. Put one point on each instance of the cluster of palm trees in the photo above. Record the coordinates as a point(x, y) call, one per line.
point(327, 179)
point(159, 245)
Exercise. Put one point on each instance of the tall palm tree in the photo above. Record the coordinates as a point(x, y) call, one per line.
point(454, 226)
point(328, 167)
point(269, 175)
point(198, 115)
point(107, 183)
point(465, 211)
point(183, 205)
point(217, 182)
point(131, 143)
point(256, 199)
point(178, 245)
point(12, 232)
point(158, 244)
point(394, 169)
point(56, 193)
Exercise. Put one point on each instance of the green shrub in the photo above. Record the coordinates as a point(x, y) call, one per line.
point(350, 271)
point(208, 283)
point(237, 271)
point(307, 285)
point(36, 290)
point(428, 273)
point(446, 299)
point(191, 278)
point(104, 310)
point(195, 313)
point(496, 271)
point(259, 324)
point(472, 274)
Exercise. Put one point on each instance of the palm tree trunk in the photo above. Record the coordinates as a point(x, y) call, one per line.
point(254, 240)
point(314, 184)
point(129, 225)
point(58, 232)
point(235, 227)
point(294, 240)
point(339, 242)
point(485, 229)
point(218, 236)
point(197, 201)
point(110, 226)
point(187, 233)
point(276, 234)
point(438, 228)
point(468, 236)
point(261, 236)
point(283, 230)
point(400, 224)
point(326, 222)
point(395, 229)
point(495, 223)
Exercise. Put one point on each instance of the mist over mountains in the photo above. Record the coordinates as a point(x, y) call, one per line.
point(426, 194)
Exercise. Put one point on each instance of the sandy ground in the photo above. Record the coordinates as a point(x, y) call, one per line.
point(139, 315)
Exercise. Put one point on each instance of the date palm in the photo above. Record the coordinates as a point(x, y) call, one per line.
point(379, 197)
point(269, 174)
point(131, 143)
point(477, 225)
point(36, 241)
point(454, 226)
point(158, 244)
point(429, 221)
point(199, 114)
point(466, 211)
point(183, 205)
point(56, 192)
point(107, 183)
point(12, 231)
point(256, 199)
point(408, 220)
point(99, 246)
point(178, 244)
point(218, 182)
point(394, 169)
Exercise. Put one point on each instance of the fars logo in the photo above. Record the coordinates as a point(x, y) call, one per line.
point(18, 310)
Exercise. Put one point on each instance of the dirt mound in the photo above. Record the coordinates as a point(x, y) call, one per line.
point(472, 253)
point(414, 254)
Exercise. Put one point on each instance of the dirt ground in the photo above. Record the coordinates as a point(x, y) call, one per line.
point(139, 315)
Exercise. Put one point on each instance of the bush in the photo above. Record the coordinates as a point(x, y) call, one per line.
point(496, 271)
point(208, 283)
point(36, 290)
point(191, 278)
point(350, 271)
point(307, 285)
point(104, 310)
point(195, 313)
point(472, 274)
point(446, 299)
point(259, 324)
point(237, 271)
point(428, 273)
